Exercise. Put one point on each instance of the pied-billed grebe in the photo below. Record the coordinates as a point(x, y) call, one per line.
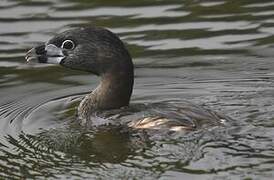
point(101, 52)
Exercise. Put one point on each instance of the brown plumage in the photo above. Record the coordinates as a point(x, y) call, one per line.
point(101, 52)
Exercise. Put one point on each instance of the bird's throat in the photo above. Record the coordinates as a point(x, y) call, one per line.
point(113, 92)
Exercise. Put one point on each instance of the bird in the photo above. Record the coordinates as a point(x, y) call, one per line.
point(101, 52)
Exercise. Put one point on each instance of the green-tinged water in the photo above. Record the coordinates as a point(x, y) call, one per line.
point(218, 54)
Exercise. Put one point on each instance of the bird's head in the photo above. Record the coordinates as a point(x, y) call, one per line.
point(91, 49)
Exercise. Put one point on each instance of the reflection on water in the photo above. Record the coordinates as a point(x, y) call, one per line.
point(218, 54)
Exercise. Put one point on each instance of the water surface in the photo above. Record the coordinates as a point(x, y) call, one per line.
point(218, 54)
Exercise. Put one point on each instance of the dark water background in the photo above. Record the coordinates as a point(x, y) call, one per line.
point(214, 53)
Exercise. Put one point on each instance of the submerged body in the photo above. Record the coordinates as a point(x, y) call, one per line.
point(174, 116)
point(102, 53)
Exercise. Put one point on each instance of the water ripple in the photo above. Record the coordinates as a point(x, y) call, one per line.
point(218, 54)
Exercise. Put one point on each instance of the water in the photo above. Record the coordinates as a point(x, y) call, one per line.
point(218, 54)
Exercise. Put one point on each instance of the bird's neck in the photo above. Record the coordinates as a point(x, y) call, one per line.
point(113, 92)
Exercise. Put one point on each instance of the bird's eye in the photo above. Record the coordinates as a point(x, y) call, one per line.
point(68, 44)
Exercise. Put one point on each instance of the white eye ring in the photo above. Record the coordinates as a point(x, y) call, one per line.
point(68, 44)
